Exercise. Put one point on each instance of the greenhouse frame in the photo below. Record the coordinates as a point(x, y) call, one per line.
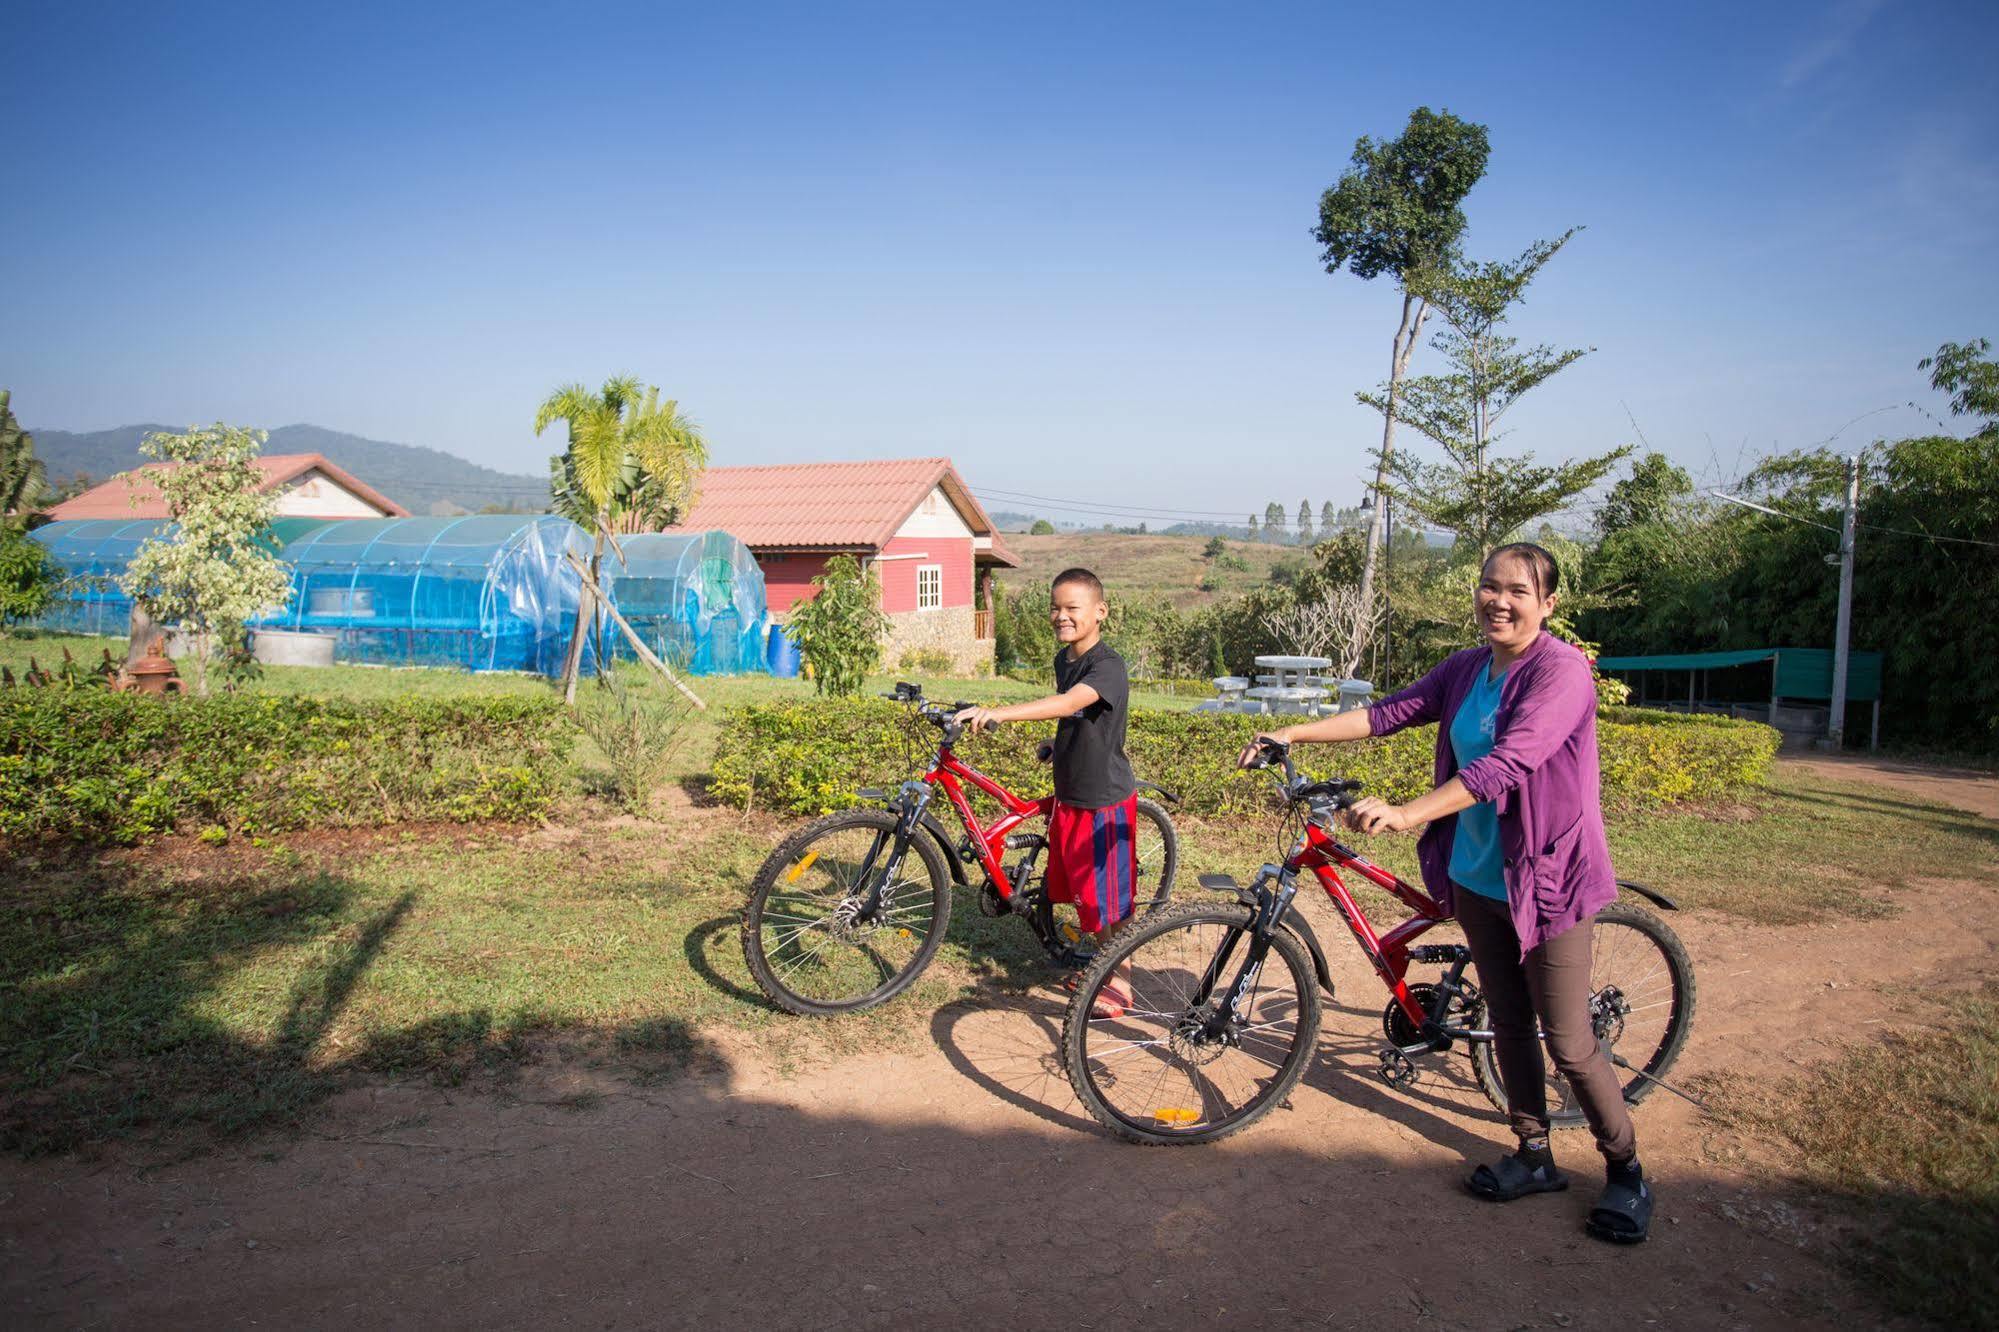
point(483, 592)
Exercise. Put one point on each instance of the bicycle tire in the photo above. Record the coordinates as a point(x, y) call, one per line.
point(1678, 970)
point(784, 867)
point(1089, 1075)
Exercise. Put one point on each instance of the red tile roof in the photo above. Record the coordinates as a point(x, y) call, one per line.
point(832, 506)
point(140, 499)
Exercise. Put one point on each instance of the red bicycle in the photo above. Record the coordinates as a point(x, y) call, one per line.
point(1215, 1036)
point(848, 911)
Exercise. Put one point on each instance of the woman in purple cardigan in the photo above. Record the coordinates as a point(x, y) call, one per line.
point(1515, 849)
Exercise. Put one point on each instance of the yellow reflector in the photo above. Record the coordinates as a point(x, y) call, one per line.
point(1174, 1115)
point(902, 934)
point(1070, 932)
point(801, 867)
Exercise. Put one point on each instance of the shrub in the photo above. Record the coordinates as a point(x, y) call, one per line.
point(926, 661)
point(90, 766)
point(807, 757)
point(639, 737)
point(840, 629)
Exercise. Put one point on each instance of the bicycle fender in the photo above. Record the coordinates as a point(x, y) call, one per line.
point(1159, 791)
point(1656, 898)
point(1295, 922)
point(930, 825)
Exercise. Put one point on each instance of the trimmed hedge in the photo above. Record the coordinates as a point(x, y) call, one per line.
point(93, 766)
point(808, 757)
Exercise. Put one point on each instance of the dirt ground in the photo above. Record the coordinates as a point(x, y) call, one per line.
point(961, 1184)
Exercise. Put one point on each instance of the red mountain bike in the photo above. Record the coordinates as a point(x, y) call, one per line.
point(848, 911)
point(1216, 1035)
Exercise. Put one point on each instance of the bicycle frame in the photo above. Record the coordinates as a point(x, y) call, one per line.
point(949, 774)
point(1389, 953)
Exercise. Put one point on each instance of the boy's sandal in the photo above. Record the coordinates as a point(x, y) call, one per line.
point(1108, 1005)
point(1512, 1178)
point(1623, 1214)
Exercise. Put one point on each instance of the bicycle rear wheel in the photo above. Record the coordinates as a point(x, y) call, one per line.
point(1166, 1070)
point(1641, 1004)
point(828, 929)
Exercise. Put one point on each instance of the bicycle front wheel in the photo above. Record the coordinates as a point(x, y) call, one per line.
point(1173, 1068)
point(844, 915)
point(1641, 1006)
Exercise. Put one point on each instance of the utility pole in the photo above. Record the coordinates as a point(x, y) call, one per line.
point(1842, 631)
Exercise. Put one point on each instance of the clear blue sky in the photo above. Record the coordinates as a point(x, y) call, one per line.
point(1068, 246)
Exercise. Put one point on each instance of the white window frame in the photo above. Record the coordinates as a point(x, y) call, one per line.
point(936, 571)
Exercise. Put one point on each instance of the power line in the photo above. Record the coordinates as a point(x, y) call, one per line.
point(1865, 527)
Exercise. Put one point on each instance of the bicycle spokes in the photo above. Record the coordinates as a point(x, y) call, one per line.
point(841, 919)
point(1181, 1058)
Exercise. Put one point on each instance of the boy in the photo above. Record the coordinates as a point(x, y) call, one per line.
point(1092, 852)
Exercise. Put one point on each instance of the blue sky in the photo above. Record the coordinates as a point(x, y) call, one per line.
point(1067, 246)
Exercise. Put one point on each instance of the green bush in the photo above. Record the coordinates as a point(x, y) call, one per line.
point(90, 766)
point(808, 757)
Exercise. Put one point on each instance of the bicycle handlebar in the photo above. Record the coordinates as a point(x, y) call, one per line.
point(1295, 787)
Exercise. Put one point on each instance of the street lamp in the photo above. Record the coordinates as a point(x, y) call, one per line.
point(1387, 601)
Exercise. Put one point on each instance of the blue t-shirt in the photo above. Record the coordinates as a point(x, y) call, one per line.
point(1476, 863)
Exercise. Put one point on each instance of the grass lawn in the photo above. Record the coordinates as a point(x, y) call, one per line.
point(175, 991)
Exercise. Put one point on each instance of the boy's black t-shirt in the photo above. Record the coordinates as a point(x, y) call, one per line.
point(1091, 770)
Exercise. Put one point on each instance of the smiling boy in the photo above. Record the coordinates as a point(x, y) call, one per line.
point(1092, 850)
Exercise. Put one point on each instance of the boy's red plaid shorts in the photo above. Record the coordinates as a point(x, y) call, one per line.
point(1093, 861)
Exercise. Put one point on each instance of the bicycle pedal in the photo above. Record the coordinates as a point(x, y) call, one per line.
point(1397, 1070)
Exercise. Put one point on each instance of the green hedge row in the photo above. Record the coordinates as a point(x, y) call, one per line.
point(808, 757)
point(89, 765)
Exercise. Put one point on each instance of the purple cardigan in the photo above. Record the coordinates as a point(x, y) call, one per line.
point(1541, 776)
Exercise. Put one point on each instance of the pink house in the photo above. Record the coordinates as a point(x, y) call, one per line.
point(912, 520)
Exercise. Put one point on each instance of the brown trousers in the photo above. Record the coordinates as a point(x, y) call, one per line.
point(1553, 982)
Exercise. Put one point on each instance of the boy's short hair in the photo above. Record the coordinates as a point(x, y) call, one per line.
point(1079, 575)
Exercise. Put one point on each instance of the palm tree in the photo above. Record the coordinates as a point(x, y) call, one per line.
point(24, 478)
point(632, 463)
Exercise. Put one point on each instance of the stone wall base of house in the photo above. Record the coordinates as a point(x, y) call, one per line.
point(949, 630)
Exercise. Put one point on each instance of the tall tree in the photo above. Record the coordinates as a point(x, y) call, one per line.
point(632, 464)
point(1273, 521)
point(1252, 527)
point(1480, 497)
point(1326, 520)
point(1304, 522)
point(24, 480)
point(1966, 371)
point(1655, 488)
point(1395, 210)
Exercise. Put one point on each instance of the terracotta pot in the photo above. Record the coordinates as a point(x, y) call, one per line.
point(153, 673)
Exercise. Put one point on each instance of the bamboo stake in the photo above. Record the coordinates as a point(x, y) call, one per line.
point(646, 654)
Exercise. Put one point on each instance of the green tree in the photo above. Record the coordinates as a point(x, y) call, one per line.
point(1215, 547)
point(1395, 210)
point(1042, 527)
point(1481, 497)
point(1304, 522)
point(1326, 519)
point(1252, 527)
point(28, 577)
point(631, 465)
point(216, 571)
point(1965, 370)
point(24, 480)
point(840, 629)
point(1653, 491)
point(1273, 521)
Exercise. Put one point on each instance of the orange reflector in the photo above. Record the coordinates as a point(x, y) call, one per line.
point(801, 867)
point(1173, 1115)
point(1071, 933)
point(902, 934)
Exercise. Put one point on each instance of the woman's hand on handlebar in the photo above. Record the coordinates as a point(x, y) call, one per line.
point(1253, 751)
point(1375, 815)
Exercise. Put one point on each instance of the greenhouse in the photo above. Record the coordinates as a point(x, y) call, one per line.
point(696, 598)
point(482, 592)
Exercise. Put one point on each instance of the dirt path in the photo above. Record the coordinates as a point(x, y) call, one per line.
point(961, 1184)
point(1963, 788)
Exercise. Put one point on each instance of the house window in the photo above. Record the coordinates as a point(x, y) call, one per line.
point(929, 586)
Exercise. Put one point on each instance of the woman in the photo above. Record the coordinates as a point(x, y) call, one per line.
point(1515, 849)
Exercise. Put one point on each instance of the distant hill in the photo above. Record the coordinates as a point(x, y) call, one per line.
point(1142, 567)
point(421, 480)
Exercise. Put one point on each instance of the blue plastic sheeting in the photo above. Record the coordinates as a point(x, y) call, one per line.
point(92, 553)
point(695, 598)
point(487, 592)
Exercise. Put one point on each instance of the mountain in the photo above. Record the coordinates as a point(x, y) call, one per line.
point(421, 480)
